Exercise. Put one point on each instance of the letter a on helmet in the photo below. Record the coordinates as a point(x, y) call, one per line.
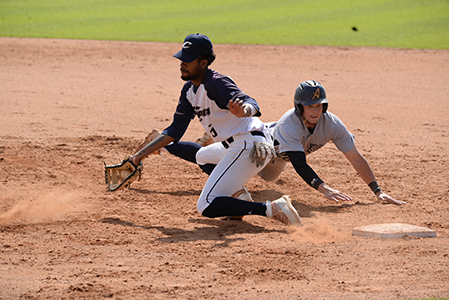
point(310, 92)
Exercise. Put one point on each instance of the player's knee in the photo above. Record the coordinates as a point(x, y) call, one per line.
point(207, 168)
point(213, 209)
point(206, 214)
point(201, 205)
point(209, 155)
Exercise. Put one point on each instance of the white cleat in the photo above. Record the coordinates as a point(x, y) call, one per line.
point(243, 194)
point(283, 211)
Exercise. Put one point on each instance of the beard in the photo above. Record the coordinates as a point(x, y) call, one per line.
point(195, 74)
point(189, 77)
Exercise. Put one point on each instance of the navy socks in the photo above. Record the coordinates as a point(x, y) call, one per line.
point(187, 151)
point(228, 206)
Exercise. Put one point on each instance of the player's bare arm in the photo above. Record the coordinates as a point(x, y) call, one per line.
point(360, 164)
point(333, 194)
point(159, 142)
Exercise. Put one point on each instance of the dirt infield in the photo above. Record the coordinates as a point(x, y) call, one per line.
point(67, 106)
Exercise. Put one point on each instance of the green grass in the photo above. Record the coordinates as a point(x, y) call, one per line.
point(379, 23)
point(434, 299)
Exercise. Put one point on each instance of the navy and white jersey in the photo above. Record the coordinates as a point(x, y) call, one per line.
point(210, 101)
point(291, 134)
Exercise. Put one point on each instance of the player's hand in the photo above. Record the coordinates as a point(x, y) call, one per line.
point(384, 198)
point(136, 162)
point(332, 194)
point(237, 108)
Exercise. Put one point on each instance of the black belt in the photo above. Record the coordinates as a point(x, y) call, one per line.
point(231, 139)
point(259, 133)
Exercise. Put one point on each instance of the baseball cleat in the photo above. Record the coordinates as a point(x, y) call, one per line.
point(242, 194)
point(283, 211)
point(205, 140)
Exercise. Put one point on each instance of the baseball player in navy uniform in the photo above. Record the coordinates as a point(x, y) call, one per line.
point(231, 118)
point(301, 131)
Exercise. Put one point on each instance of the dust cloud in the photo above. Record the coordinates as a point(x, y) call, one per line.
point(44, 206)
point(316, 233)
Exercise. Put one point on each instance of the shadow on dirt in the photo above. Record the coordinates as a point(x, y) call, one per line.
point(306, 211)
point(211, 229)
point(190, 192)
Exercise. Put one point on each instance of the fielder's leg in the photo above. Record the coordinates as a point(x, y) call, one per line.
point(231, 173)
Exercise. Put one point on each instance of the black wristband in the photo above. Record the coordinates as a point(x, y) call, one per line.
point(316, 183)
point(374, 187)
point(298, 160)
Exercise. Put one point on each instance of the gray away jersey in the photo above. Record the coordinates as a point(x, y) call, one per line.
point(293, 135)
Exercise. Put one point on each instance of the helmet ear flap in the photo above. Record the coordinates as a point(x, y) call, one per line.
point(325, 105)
point(299, 109)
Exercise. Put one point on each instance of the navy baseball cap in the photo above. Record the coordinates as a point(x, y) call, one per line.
point(194, 45)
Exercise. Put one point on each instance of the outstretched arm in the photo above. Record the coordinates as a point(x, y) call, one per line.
point(298, 160)
point(159, 142)
point(360, 164)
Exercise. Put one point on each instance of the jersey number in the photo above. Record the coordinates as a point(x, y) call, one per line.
point(212, 131)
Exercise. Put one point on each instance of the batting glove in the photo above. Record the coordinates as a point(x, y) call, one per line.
point(262, 151)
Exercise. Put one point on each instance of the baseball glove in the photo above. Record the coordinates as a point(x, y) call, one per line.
point(121, 175)
point(205, 140)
